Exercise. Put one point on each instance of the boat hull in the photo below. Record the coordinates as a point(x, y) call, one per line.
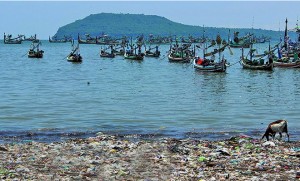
point(246, 65)
point(210, 67)
point(134, 56)
point(58, 41)
point(35, 54)
point(237, 45)
point(87, 41)
point(74, 59)
point(287, 64)
point(152, 55)
point(106, 55)
point(12, 42)
point(178, 59)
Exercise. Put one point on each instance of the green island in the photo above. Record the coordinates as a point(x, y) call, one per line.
point(117, 25)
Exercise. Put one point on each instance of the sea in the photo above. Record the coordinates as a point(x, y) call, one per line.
point(53, 100)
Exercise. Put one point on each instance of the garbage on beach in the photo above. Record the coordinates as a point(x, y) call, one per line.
point(108, 157)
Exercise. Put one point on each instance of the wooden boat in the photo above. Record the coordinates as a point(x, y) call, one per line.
point(9, 40)
point(34, 51)
point(289, 53)
point(158, 40)
point(262, 39)
point(243, 42)
point(259, 63)
point(64, 40)
point(178, 57)
point(149, 53)
point(88, 40)
point(31, 38)
point(119, 49)
point(131, 53)
point(106, 40)
point(287, 64)
point(287, 61)
point(256, 64)
point(75, 56)
point(209, 64)
point(180, 54)
point(120, 52)
point(133, 56)
point(105, 54)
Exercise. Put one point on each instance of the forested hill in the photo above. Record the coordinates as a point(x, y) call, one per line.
point(137, 24)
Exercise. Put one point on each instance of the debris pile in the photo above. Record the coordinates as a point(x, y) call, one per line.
point(107, 157)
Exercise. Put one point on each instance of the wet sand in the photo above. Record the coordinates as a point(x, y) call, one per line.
point(107, 157)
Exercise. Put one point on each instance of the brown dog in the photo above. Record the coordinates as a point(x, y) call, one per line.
point(279, 126)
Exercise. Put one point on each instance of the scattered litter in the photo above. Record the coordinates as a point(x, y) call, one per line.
point(107, 157)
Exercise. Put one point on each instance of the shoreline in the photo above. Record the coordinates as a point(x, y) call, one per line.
point(56, 135)
point(107, 157)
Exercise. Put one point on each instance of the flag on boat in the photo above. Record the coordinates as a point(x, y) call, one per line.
point(279, 53)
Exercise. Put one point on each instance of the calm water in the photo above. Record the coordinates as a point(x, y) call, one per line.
point(50, 99)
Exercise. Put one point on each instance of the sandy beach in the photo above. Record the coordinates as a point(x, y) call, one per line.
point(107, 157)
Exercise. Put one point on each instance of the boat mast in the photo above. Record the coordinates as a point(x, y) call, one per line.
point(298, 32)
point(219, 41)
point(242, 53)
point(219, 53)
point(228, 36)
point(251, 45)
point(204, 43)
point(131, 46)
point(285, 36)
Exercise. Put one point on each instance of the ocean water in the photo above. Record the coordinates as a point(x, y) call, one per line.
point(51, 99)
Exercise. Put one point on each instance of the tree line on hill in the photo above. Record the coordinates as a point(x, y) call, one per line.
point(118, 25)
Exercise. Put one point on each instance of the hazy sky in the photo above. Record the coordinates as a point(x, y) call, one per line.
point(45, 17)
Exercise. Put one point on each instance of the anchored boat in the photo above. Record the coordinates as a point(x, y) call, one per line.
point(34, 51)
point(74, 56)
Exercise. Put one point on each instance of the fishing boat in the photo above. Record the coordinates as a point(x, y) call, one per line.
point(286, 61)
point(257, 62)
point(288, 49)
point(288, 55)
point(9, 40)
point(106, 40)
point(261, 39)
point(207, 63)
point(119, 49)
point(88, 39)
point(34, 51)
point(287, 64)
point(180, 53)
point(132, 54)
point(105, 54)
point(31, 38)
point(158, 39)
point(56, 40)
point(75, 56)
point(243, 42)
point(150, 53)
